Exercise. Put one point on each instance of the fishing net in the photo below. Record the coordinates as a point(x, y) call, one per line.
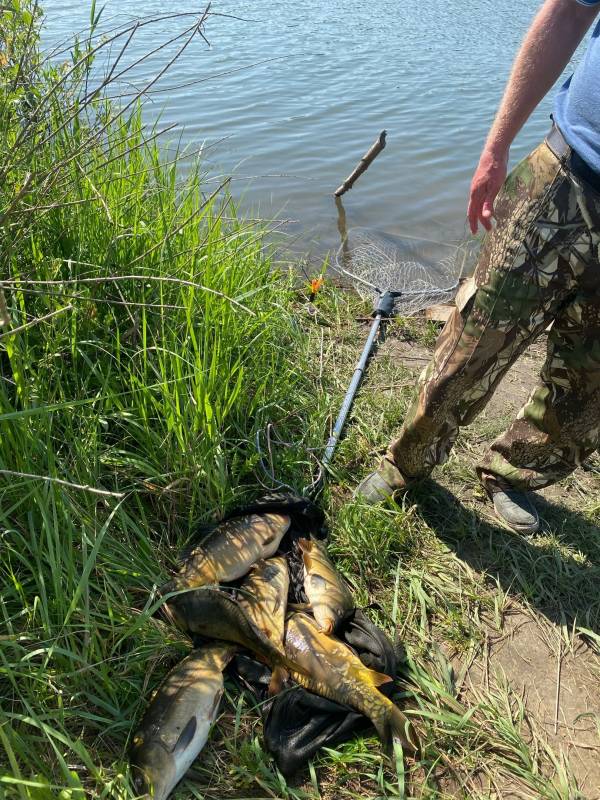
point(419, 272)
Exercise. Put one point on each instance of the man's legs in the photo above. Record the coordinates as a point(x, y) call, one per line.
point(560, 424)
point(472, 355)
point(519, 283)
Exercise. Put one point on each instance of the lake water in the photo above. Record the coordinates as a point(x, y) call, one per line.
point(430, 73)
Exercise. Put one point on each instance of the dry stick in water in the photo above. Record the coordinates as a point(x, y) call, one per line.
point(342, 228)
point(362, 165)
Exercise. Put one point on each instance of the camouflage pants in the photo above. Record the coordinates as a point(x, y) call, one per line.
point(538, 267)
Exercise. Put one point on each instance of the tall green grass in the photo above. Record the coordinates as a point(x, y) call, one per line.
point(152, 340)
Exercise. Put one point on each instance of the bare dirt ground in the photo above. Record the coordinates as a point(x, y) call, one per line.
point(557, 681)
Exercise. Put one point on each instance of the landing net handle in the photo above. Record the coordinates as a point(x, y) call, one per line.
point(383, 310)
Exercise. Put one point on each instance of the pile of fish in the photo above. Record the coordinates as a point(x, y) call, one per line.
point(232, 593)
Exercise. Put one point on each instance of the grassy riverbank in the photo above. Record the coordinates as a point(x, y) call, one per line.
point(147, 340)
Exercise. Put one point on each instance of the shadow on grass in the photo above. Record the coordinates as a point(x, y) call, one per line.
point(557, 571)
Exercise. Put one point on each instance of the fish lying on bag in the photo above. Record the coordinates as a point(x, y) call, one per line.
point(213, 614)
point(177, 722)
point(328, 595)
point(331, 670)
point(228, 552)
point(263, 596)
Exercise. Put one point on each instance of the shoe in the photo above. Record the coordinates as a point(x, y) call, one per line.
point(380, 485)
point(517, 511)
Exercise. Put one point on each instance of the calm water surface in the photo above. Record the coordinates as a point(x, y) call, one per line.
point(430, 73)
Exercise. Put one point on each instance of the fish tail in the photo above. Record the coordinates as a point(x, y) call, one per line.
point(165, 611)
point(393, 726)
point(171, 610)
point(168, 612)
point(299, 607)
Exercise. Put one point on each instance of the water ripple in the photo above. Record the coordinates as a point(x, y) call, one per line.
point(430, 73)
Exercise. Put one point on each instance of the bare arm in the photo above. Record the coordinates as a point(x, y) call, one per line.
point(553, 37)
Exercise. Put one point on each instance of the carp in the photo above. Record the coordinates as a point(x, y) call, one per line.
point(178, 720)
point(214, 614)
point(331, 669)
point(228, 552)
point(328, 595)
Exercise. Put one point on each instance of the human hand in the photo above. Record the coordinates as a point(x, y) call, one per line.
point(487, 182)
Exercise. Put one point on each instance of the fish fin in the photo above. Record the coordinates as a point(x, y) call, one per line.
point(318, 582)
point(215, 706)
point(278, 677)
point(185, 554)
point(327, 628)
point(191, 548)
point(394, 727)
point(306, 547)
point(292, 667)
point(165, 612)
point(373, 677)
point(201, 535)
point(186, 735)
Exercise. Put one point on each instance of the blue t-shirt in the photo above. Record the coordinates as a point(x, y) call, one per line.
point(577, 105)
